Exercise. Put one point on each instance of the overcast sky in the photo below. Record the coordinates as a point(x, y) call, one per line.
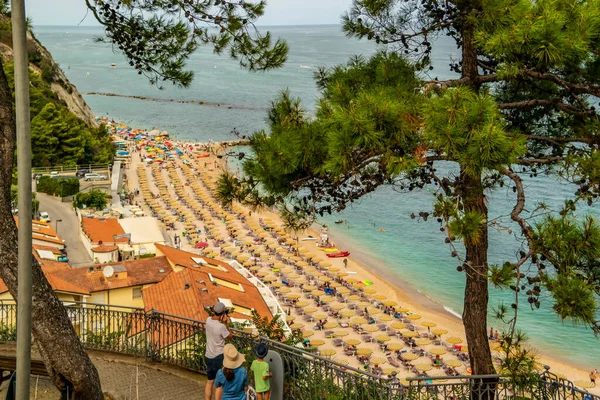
point(278, 12)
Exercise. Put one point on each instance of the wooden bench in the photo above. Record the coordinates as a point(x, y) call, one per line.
point(9, 364)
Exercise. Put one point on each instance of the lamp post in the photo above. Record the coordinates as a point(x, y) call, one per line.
point(56, 225)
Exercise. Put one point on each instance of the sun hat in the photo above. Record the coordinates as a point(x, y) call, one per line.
point(219, 308)
point(261, 350)
point(231, 357)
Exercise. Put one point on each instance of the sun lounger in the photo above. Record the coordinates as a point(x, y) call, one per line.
point(393, 362)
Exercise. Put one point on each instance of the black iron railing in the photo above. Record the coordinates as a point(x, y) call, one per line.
point(180, 341)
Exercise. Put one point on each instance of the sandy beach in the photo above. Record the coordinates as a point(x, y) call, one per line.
point(183, 187)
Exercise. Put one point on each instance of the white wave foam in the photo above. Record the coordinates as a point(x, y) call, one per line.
point(451, 311)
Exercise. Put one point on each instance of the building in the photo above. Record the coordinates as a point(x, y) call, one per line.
point(43, 234)
point(198, 282)
point(133, 237)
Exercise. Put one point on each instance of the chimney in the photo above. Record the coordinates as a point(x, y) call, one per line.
point(186, 286)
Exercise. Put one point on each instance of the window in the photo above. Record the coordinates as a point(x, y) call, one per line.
point(137, 293)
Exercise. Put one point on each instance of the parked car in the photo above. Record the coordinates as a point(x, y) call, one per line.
point(95, 177)
point(63, 258)
point(54, 173)
point(36, 176)
point(45, 216)
point(82, 173)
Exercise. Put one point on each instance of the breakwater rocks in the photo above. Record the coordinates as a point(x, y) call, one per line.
point(179, 101)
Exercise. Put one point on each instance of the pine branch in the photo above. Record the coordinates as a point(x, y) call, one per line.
point(555, 103)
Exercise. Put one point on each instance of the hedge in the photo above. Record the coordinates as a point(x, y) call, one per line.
point(61, 187)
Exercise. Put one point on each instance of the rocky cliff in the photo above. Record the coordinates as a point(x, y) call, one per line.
point(42, 63)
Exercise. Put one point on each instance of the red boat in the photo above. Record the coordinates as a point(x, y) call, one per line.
point(338, 254)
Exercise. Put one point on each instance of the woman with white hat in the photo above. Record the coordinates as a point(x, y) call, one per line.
point(231, 381)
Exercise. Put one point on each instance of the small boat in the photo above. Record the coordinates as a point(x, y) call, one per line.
point(332, 250)
point(339, 221)
point(113, 65)
point(338, 254)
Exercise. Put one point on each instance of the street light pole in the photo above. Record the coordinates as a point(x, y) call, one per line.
point(24, 297)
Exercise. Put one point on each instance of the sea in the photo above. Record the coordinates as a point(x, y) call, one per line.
point(408, 251)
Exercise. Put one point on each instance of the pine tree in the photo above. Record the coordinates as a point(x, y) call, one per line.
point(523, 104)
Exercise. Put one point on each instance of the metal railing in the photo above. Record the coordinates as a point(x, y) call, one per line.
point(179, 341)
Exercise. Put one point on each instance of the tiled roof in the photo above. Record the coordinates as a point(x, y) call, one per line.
point(104, 248)
point(42, 231)
point(103, 230)
point(172, 297)
point(53, 249)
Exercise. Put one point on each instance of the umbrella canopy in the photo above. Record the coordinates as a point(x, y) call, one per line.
point(353, 297)
point(439, 331)
point(428, 324)
point(410, 334)
point(269, 279)
point(379, 296)
point(438, 351)
point(383, 338)
point(398, 325)
point(409, 356)
point(327, 352)
point(296, 325)
point(310, 288)
point(454, 363)
point(352, 342)
point(385, 318)
point(302, 303)
point(377, 360)
point(337, 306)
point(423, 367)
point(370, 290)
point(370, 328)
point(341, 333)
point(348, 313)
point(358, 321)
point(364, 351)
point(201, 245)
point(422, 342)
point(320, 316)
point(389, 303)
point(307, 334)
point(285, 290)
point(454, 340)
point(394, 346)
point(402, 310)
point(310, 310)
point(292, 296)
point(289, 318)
point(414, 317)
point(317, 342)
point(373, 310)
point(331, 325)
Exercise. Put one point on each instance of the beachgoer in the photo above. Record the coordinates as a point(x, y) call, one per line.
point(345, 263)
point(232, 380)
point(262, 375)
point(593, 376)
point(496, 335)
point(491, 333)
point(217, 332)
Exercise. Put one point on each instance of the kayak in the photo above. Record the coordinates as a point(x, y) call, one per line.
point(332, 250)
point(338, 254)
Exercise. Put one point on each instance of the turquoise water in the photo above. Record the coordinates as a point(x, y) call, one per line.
point(413, 251)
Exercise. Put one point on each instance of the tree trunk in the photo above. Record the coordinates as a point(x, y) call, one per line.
point(476, 291)
point(59, 345)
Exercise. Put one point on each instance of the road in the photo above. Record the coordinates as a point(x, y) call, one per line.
point(67, 229)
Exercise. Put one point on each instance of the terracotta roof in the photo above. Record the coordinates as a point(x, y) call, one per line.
point(139, 272)
point(104, 248)
point(103, 230)
point(53, 249)
point(43, 231)
point(171, 296)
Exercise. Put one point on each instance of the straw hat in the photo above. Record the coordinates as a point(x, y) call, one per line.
point(232, 358)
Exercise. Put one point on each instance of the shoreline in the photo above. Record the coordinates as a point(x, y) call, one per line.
point(392, 286)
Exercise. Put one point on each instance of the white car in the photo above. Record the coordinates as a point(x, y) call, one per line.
point(45, 216)
point(95, 177)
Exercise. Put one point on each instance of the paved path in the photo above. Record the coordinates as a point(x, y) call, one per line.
point(118, 377)
point(67, 229)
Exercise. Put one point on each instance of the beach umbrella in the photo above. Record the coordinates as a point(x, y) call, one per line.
point(341, 333)
point(369, 290)
point(341, 274)
point(310, 310)
point(343, 290)
point(317, 292)
point(414, 317)
point(394, 346)
point(422, 342)
point(320, 316)
point(331, 325)
point(402, 310)
point(358, 285)
point(327, 299)
point(293, 296)
point(377, 360)
point(269, 279)
point(285, 290)
point(409, 356)
point(385, 318)
point(423, 367)
point(317, 342)
point(307, 334)
point(337, 306)
point(373, 310)
point(383, 338)
point(465, 349)
point(428, 324)
point(370, 328)
point(379, 297)
point(289, 318)
point(364, 304)
point(348, 313)
point(296, 325)
point(364, 351)
point(439, 331)
point(353, 297)
point(389, 303)
point(352, 342)
point(410, 334)
point(276, 284)
point(454, 363)
point(438, 351)
point(358, 321)
point(454, 340)
point(302, 303)
point(327, 352)
point(398, 325)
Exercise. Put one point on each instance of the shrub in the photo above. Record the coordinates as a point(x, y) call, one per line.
point(58, 187)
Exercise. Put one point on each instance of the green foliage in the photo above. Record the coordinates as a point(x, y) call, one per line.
point(518, 361)
point(62, 187)
point(96, 199)
point(273, 329)
point(149, 255)
point(158, 37)
point(8, 333)
point(14, 198)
